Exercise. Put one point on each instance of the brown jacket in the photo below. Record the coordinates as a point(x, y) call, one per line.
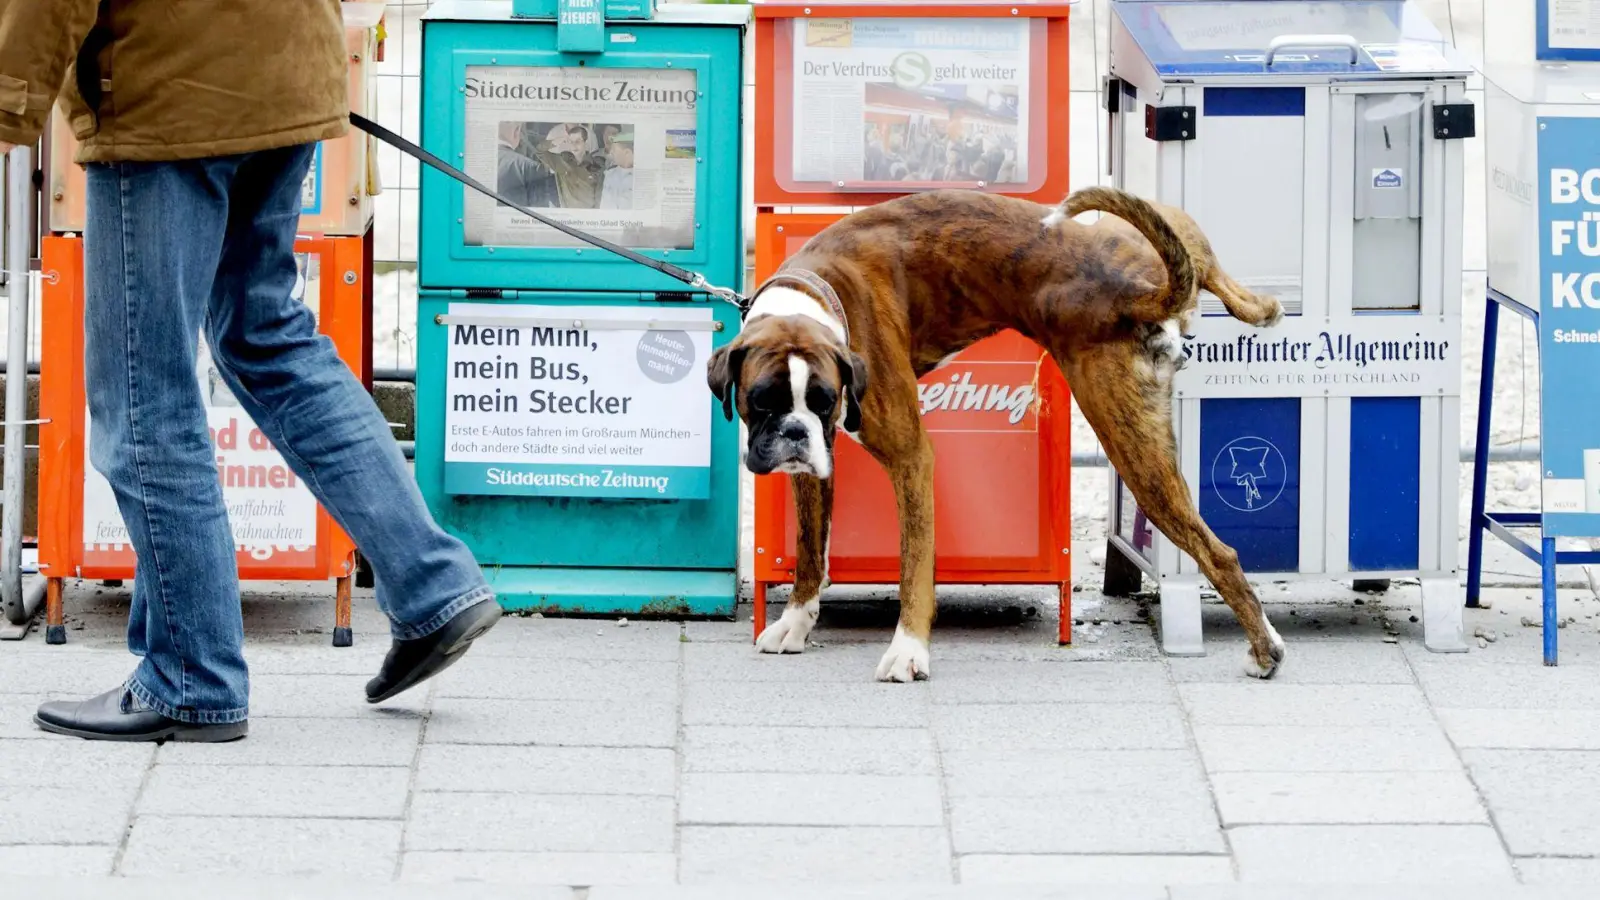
point(180, 79)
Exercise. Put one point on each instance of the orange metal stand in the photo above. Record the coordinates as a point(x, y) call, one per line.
point(999, 416)
point(336, 275)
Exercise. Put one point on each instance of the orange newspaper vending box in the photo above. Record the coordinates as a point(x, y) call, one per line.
point(999, 417)
point(282, 533)
point(859, 103)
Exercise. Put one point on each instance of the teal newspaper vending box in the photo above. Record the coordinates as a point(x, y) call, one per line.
point(564, 426)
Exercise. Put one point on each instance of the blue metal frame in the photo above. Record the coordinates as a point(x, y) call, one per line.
point(1500, 524)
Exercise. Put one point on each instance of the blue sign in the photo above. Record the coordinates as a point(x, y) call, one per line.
point(1250, 479)
point(1569, 324)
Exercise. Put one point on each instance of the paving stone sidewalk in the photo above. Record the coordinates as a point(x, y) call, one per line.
point(588, 753)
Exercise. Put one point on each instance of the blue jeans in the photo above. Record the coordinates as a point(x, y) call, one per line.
point(176, 247)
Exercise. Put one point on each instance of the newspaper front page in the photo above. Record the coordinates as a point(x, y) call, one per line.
point(609, 151)
point(911, 100)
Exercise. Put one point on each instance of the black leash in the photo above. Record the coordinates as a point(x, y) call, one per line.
point(692, 279)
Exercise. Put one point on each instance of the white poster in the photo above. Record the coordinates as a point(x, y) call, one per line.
point(589, 410)
point(609, 151)
point(1356, 356)
point(1574, 24)
point(911, 100)
point(274, 516)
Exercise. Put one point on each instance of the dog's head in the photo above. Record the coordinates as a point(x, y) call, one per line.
point(794, 383)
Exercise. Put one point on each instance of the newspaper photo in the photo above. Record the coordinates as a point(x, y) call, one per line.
point(912, 100)
point(610, 151)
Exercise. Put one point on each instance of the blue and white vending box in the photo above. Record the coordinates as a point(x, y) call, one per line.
point(1319, 144)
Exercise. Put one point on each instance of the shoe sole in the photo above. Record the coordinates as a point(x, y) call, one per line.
point(179, 733)
point(485, 616)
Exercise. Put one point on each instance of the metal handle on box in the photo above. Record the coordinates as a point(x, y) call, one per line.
point(1320, 41)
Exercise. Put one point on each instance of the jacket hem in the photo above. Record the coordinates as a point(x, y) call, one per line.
point(97, 150)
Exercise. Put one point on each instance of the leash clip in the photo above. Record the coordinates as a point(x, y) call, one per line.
point(728, 295)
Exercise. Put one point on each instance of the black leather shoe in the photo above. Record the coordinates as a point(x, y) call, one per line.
point(412, 662)
point(103, 718)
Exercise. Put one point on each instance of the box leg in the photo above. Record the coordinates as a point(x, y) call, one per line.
point(758, 617)
point(1180, 617)
point(1064, 610)
point(1123, 577)
point(55, 614)
point(1547, 567)
point(342, 636)
point(1442, 628)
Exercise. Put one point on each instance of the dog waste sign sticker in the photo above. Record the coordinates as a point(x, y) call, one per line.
point(597, 410)
point(1569, 324)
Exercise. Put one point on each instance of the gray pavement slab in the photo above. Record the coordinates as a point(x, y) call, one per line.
point(44, 814)
point(1065, 868)
point(1181, 825)
point(297, 847)
point(1347, 798)
point(993, 682)
point(1545, 802)
point(547, 770)
point(1552, 870)
point(58, 861)
point(1097, 776)
point(369, 740)
point(1522, 729)
point(1061, 727)
point(827, 855)
point(1319, 748)
point(862, 704)
point(797, 751)
point(1375, 705)
point(605, 680)
point(1341, 854)
point(549, 823)
point(553, 723)
point(341, 792)
point(513, 868)
point(782, 799)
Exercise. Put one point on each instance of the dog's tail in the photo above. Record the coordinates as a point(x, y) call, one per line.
point(1182, 275)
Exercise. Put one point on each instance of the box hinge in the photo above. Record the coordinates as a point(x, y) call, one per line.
point(1455, 121)
point(1170, 123)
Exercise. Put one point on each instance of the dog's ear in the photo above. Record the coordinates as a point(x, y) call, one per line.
point(722, 373)
point(853, 374)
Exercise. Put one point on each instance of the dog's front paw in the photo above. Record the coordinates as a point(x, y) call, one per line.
point(906, 659)
point(789, 633)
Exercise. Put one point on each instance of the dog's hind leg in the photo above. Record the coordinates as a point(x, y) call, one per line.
point(813, 501)
point(1242, 303)
point(1128, 401)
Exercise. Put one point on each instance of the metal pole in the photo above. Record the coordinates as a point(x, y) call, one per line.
point(19, 189)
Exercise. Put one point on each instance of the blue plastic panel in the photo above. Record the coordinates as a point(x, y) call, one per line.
point(1385, 483)
point(1250, 479)
point(1230, 37)
point(1254, 101)
point(713, 52)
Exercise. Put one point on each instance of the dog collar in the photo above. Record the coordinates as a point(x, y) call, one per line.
point(818, 286)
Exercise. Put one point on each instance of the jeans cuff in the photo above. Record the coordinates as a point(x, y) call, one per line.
point(186, 716)
point(443, 616)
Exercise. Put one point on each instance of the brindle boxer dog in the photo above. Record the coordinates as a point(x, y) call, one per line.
point(839, 336)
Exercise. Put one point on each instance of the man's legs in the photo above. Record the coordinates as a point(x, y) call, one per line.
point(152, 241)
point(308, 403)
